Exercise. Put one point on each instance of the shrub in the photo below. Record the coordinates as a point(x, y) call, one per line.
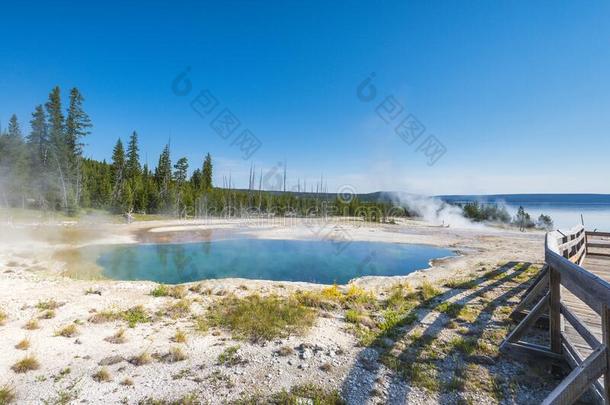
point(261, 318)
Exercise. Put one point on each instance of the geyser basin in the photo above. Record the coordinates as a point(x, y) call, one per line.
point(323, 262)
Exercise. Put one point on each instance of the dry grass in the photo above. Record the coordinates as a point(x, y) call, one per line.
point(141, 359)
point(24, 344)
point(31, 324)
point(127, 382)
point(48, 314)
point(48, 304)
point(285, 351)
point(174, 355)
point(28, 363)
point(118, 338)
point(67, 331)
point(102, 375)
point(179, 309)
point(180, 337)
point(7, 394)
point(3, 317)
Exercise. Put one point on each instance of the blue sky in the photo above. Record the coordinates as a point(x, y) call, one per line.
point(516, 91)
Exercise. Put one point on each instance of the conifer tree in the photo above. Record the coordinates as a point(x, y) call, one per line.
point(206, 173)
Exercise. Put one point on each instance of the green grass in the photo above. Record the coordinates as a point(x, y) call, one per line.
point(429, 291)
point(450, 308)
point(464, 345)
point(230, 356)
point(259, 318)
point(423, 375)
point(300, 394)
point(163, 290)
point(462, 283)
point(132, 316)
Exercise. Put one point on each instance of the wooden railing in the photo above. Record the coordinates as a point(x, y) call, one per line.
point(564, 253)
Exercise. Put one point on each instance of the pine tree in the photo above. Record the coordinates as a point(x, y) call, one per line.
point(77, 124)
point(77, 127)
point(118, 174)
point(38, 147)
point(181, 167)
point(163, 178)
point(13, 166)
point(206, 173)
point(57, 143)
point(133, 168)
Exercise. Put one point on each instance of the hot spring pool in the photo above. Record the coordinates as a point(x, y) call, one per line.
point(323, 262)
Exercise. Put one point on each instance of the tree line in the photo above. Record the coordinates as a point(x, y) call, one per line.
point(46, 169)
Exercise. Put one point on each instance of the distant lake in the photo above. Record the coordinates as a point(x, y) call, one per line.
point(323, 262)
point(565, 209)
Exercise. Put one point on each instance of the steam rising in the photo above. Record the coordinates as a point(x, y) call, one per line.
point(433, 210)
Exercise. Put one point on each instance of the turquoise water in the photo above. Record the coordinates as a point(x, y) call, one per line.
point(323, 262)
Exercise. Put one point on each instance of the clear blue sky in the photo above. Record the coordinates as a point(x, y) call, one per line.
point(515, 90)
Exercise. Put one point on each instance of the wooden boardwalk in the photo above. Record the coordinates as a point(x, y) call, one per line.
point(600, 266)
point(573, 292)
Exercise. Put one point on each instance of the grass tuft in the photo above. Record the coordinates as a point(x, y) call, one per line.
point(48, 304)
point(230, 357)
point(31, 324)
point(24, 344)
point(174, 355)
point(179, 309)
point(118, 338)
point(180, 336)
point(3, 317)
point(429, 291)
point(102, 375)
point(67, 331)
point(141, 359)
point(163, 290)
point(7, 394)
point(48, 314)
point(28, 363)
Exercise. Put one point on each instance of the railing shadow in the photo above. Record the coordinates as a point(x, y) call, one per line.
point(358, 387)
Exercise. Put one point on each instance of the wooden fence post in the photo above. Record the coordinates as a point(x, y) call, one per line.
point(555, 310)
point(606, 342)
